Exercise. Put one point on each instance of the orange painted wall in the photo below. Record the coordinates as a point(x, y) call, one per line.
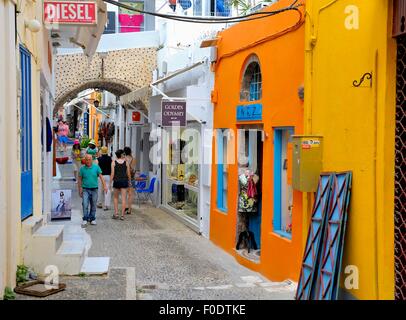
point(282, 65)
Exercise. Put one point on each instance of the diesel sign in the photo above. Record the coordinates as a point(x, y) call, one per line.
point(70, 12)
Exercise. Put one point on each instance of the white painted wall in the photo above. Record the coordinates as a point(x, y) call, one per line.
point(121, 41)
point(181, 48)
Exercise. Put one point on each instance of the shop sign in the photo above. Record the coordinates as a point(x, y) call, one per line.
point(86, 123)
point(250, 112)
point(135, 118)
point(70, 12)
point(173, 113)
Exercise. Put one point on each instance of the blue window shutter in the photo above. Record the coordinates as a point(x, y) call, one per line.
point(277, 179)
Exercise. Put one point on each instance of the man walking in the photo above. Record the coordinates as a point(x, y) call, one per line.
point(88, 189)
point(105, 166)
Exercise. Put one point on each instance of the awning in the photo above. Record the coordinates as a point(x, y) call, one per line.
point(144, 93)
point(177, 72)
point(138, 98)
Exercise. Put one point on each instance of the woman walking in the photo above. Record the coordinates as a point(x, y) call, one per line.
point(121, 178)
point(131, 163)
point(76, 159)
point(63, 132)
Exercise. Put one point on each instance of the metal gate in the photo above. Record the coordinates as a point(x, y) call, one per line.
point(400, 173)
point(26, 132)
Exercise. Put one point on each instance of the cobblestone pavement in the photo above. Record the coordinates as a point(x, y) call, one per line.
point(154, 256)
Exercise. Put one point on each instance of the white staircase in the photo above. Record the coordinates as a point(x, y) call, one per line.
point(47, 245)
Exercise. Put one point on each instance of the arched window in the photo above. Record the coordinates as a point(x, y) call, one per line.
point(251, 86)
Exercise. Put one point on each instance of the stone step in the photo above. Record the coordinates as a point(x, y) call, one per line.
point(48, 238)
point(96, 265)
point(49, 231)
point(32, 224)
point(72, 248)
point(69, 259)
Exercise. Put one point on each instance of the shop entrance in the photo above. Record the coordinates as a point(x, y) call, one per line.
point(249, 217)
point(400, 169)
point(181, 172)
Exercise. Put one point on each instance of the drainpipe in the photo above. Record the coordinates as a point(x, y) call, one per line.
point(375, 82)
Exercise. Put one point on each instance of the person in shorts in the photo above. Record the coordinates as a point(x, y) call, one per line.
point(121, 179)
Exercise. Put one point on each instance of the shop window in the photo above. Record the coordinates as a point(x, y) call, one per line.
point(111, 23)
point(222, 174)
point(251, 87)
point(283, 191)
point(197, 7)
point(220, 8)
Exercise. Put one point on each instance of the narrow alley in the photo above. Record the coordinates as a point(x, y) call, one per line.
point(202, 150)
point(153, 256)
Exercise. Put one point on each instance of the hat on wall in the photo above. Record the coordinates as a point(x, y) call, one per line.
point(104, 150)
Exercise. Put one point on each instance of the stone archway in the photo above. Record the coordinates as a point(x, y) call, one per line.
point(113, 86)
point(118, 72)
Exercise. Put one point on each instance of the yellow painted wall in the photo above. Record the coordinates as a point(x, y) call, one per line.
point(358, 127)
point(94, 116)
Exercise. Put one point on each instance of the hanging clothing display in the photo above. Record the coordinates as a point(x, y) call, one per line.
point(130, 22)
point(106, 132)
point(248, 197)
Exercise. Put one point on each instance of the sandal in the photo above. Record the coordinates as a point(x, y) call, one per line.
point(127, 211)
point(114, 216)
point(122, 218)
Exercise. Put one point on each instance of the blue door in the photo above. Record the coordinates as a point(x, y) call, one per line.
point(26, 140)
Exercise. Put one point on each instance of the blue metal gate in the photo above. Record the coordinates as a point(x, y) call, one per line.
point(26, 139)
point(311, 257)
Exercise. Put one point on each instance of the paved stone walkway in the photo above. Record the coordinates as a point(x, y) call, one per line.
point(154, 256)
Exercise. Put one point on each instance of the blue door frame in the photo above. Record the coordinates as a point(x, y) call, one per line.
point(277, 211)
point(26, 132)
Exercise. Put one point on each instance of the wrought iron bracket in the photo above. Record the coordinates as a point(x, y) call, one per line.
point(367, 75)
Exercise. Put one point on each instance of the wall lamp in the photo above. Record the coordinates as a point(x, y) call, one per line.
point(33, 25)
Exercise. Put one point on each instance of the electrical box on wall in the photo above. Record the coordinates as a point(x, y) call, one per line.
point(307, 162)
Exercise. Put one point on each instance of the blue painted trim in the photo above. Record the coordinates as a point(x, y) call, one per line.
point(249, 112)
point(277, 217)
point(283, 234)
point(220, 170)
point(222, 209)
point(277, 179)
